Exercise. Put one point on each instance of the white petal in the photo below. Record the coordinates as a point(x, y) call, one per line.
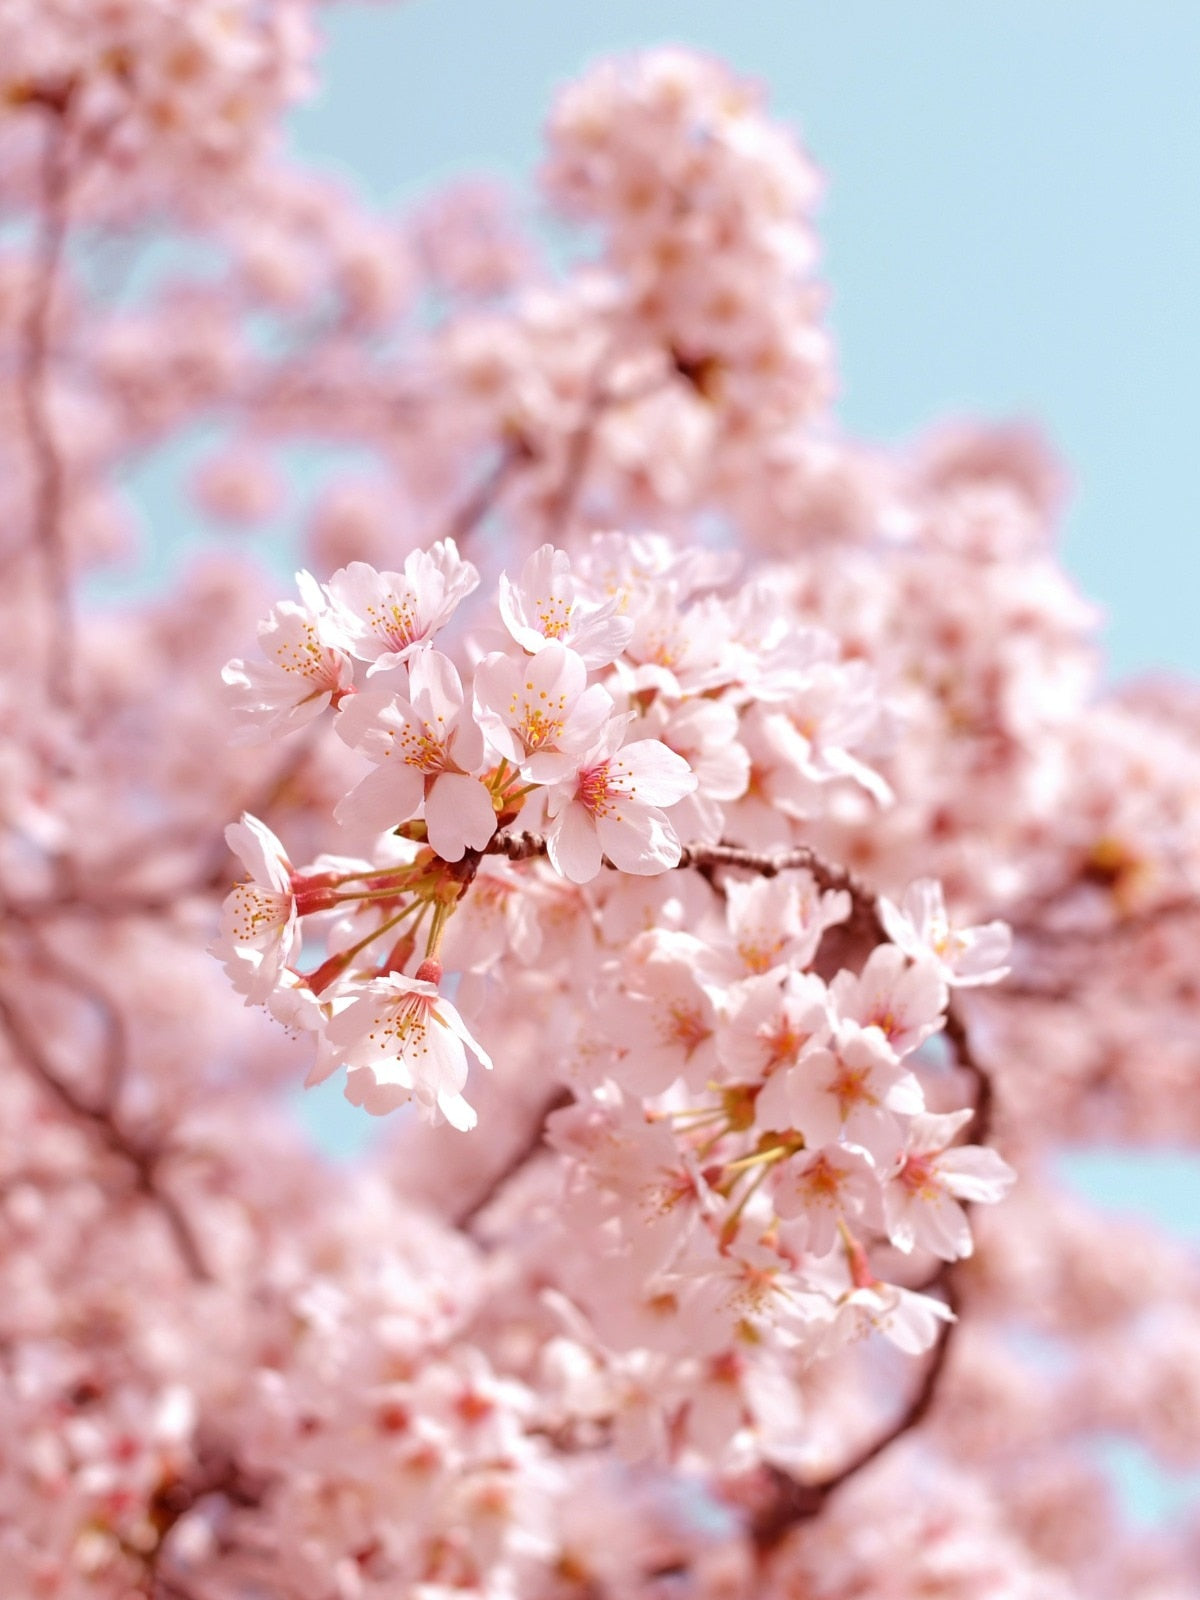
point(572, 844)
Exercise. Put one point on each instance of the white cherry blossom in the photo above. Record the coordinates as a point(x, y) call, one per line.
point(964, 957)
point(401, 1040)
point(612, 805)
point(386, 616)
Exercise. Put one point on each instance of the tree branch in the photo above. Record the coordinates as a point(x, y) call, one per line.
point(518, 1158)
point(793, 1502)
point(142, 1160)
point(32, 400)
point(514, 453)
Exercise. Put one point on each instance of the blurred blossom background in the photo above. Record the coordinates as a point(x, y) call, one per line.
point(1009, 232)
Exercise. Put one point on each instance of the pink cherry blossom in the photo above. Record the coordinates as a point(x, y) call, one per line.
point(769, 1025)
point(663, 1024)
point(774, 923)
point(965, 957)
point(386, 616)
point(401, 1040)
point(855, 1089)
point(260, 930)
point(538, 712)
point(549, 605)
point(305, 670)
point(428, 748)
point(905, 1002)
point(612, 806)
point(715, 1169)
point(934, 1174)
point(824, 1187)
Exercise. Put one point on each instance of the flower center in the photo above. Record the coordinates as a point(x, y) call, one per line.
point(396, 620)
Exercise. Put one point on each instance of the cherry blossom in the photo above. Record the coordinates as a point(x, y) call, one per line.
point(305, 671)
point(385, 616)
point(634, 694)
point(260, 930)
point(612, 805)
point(934, 1174)
point(546, 605)
point(428, 748)
point(538, 712)
point(965, 957)
point(401, 1040)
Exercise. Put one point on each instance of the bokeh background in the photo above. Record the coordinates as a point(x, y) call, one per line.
point(1011, 229)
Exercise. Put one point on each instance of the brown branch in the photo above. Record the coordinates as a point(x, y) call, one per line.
point(827, 874)
point(143, 1160)
point(985, 1095)
point(514, 454)
point(32, 368)
point(579, 450)
point(216, 1472)
point(518, 1158)
point(792, 1502)
point(705, 858)
point(76, 980)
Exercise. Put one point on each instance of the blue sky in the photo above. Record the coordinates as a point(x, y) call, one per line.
point(1012, 224)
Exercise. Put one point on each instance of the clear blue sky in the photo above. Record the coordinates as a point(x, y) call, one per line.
point(1012, 224)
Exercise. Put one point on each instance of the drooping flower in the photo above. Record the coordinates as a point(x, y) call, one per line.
point(400, 1041)
point(259, 932)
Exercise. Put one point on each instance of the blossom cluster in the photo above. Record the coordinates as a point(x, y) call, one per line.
point(627, 703)
point(147, 84)
point(744, 1128)
point(715, 844)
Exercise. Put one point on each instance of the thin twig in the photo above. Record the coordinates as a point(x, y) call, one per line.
point(579, 449)
point(78, 981)
point(514, 454)
point(143, 1160)
point(792, 1502)
point(704, 857)
point(518, 1158)
point(33, 362)
point(985, 1096)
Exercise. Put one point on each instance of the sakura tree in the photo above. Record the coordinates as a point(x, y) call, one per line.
point(701, 839)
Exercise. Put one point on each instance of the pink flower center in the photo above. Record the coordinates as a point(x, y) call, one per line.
point(917, 1175)
point(850, 1088)
point(593, 790)
point(684, 1026)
